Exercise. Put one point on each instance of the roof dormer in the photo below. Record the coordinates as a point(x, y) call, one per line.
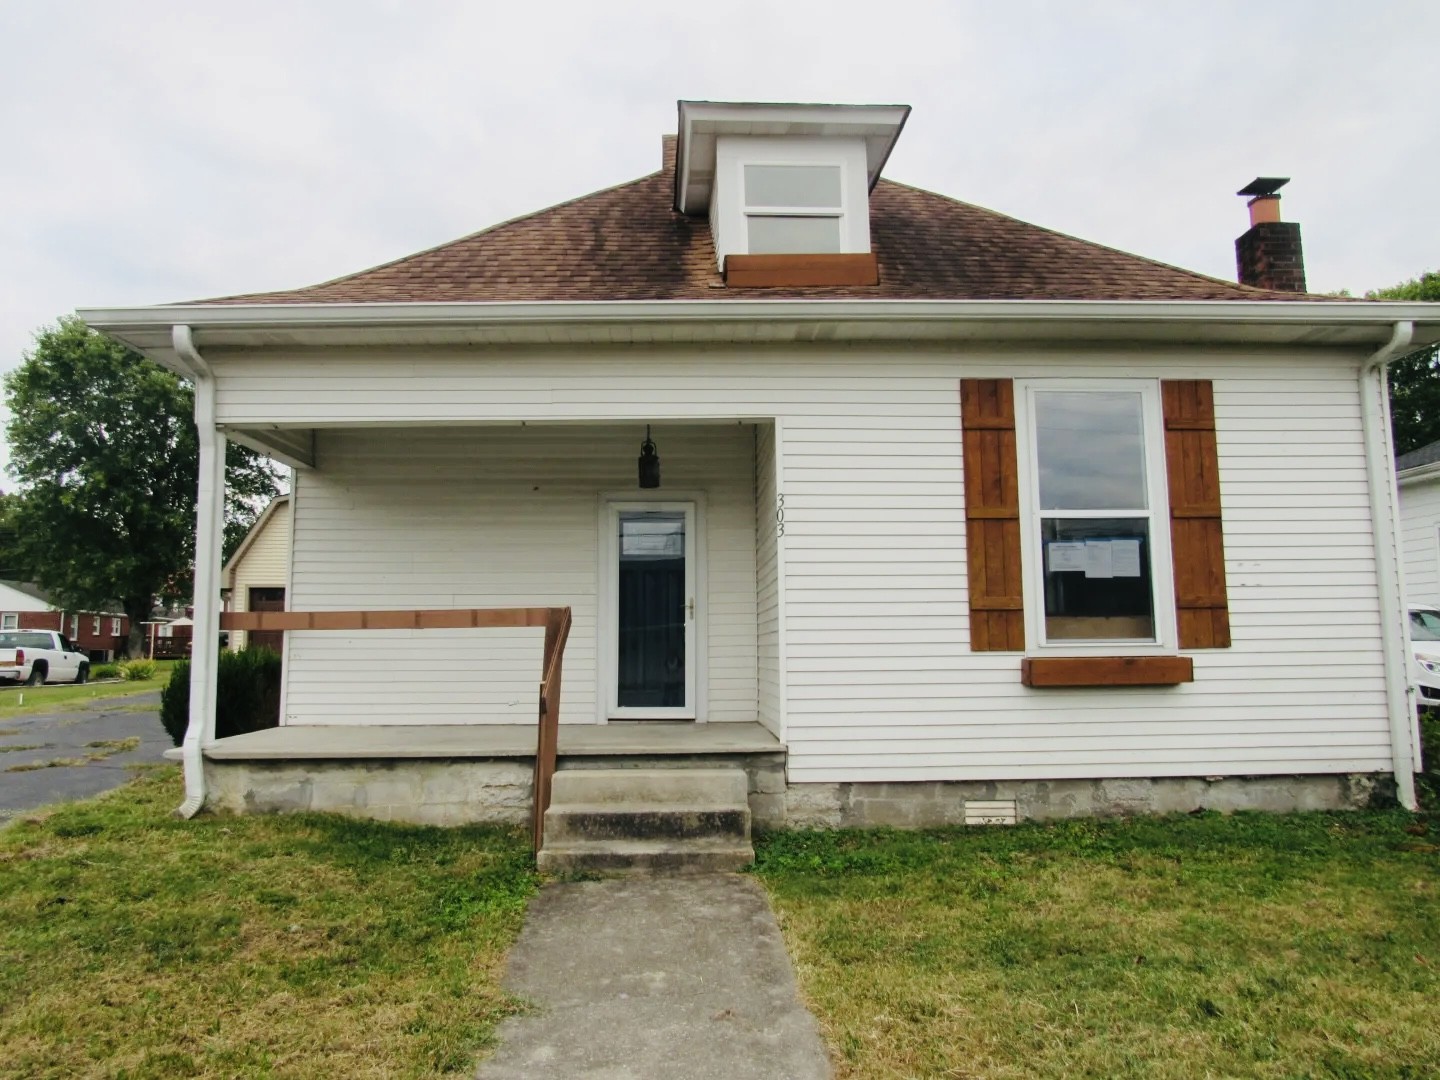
point(786, 187)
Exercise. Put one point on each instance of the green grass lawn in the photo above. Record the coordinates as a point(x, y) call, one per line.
point(136, 945)
point(57, 696)
point(1243, 946)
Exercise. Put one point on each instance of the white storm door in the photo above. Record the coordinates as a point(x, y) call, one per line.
point(651, 633)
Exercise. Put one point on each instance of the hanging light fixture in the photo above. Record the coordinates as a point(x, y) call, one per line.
point(649, 462)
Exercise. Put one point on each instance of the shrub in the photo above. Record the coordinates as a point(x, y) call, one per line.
point(135, 670)
point(1427, 784)
point(247, 698)
point(105, 671)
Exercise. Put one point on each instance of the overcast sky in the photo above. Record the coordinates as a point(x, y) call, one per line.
point(155, 151)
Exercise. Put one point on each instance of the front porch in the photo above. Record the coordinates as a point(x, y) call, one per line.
point(453, 774)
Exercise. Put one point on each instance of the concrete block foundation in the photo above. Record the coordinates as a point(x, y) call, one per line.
point(458, 791)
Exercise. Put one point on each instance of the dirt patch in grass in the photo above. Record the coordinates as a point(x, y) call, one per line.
point(1245, 946)
point(295, 946)
point(103, 748)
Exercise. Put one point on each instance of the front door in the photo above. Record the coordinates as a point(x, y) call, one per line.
point(266, 600)
point(651, 610)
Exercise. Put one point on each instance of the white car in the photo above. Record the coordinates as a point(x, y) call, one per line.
point(1425, 664)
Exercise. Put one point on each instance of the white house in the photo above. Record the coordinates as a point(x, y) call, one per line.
point(956, 515)
point(1418, 473)
point(257, 575)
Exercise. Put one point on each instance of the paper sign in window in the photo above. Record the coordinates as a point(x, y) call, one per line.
point(1098, 561)
point(1065, 556)
point(1125, 558)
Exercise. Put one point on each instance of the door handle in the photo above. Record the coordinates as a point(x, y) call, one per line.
point(690, 608)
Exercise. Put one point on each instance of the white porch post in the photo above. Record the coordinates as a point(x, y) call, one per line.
point(209, 531)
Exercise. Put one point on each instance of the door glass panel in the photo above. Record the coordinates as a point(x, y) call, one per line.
point(651, 611)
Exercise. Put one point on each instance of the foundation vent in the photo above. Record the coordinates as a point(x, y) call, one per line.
point(990, 812)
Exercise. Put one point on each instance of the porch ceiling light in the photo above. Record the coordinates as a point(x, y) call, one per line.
point(649, 462)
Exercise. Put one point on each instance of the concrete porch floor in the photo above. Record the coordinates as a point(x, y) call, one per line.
point(337, 742)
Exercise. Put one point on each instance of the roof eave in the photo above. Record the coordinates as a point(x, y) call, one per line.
point(1304, 322)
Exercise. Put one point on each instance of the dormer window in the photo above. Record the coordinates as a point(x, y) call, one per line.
point(791, 209)
point(786, 187)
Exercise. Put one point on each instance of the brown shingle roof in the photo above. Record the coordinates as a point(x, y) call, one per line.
point(628, 243)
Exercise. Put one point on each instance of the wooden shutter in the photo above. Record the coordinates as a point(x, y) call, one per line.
point(992, 515)
point(1193, 465)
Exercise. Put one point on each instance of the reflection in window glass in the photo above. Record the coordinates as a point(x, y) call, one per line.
point(773, 234)
point(1098, 579)
point(1424, 625)
point(792, 185)
point(1090, 450)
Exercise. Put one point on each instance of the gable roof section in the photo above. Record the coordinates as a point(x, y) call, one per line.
point(30, 589)
point(628, 243)
point(1415, 459)
point(227, 572)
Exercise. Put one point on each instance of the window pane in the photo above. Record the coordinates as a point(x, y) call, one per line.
point(792, 185)
point(793, 235)
point(1097, 579)
point(652, 611)
point(1090, 446)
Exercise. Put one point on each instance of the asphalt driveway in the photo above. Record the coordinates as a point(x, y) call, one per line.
point(88, 740)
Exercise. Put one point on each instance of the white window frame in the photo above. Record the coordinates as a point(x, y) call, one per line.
point(74, 627)
point(114, 627)
point(95, 625)
point(730, 214)
point(10, 620)
point(1032, 561)
point(834, 213)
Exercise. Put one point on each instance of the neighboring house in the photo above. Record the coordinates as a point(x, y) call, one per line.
point(169, 638)
point(255, 577)
point(1418, 473)
point(100, 634)
point(956, 517)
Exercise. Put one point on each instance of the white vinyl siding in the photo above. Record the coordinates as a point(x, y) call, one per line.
point(499, 517)
point(880, 683)
point(1420, 540)
point(767, 582)
point(265, 564)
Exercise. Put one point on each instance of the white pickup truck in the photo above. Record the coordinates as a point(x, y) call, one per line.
point(34, 657)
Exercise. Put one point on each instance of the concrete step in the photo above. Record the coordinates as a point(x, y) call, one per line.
point(683, 787)
point(568, 822)
point(640, 857)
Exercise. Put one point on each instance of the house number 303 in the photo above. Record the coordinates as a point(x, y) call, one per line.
point(779, 515)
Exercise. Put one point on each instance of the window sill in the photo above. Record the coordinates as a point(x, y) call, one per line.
point(1069, 671)
point(800, 271)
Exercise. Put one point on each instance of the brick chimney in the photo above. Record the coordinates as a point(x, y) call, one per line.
point(1268, 256)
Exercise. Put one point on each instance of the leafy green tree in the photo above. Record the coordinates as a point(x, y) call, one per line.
point(12, 566)
point(103, 444)
point(1414, 379)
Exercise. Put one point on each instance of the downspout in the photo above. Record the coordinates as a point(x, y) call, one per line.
point(1385, 517)
point(209, 521)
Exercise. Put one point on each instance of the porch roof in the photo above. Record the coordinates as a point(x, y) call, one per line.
point(339, 742)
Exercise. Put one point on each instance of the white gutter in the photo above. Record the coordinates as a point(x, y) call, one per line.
point(1418, 473)
point(209, 523)
point(1385, 518)
point(1275, 312)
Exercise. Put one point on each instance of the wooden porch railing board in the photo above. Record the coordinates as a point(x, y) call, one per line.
point(555, 620)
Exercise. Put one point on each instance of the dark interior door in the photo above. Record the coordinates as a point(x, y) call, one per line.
point(266, 600)
point(652, 604)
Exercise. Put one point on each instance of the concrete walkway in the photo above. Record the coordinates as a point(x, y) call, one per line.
point(652, 979)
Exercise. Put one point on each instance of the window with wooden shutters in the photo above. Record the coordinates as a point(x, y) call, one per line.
point(992, 515)
point(1093, 507)
point(1193, 465)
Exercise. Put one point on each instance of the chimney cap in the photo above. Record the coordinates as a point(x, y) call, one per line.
point(1264, 185)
